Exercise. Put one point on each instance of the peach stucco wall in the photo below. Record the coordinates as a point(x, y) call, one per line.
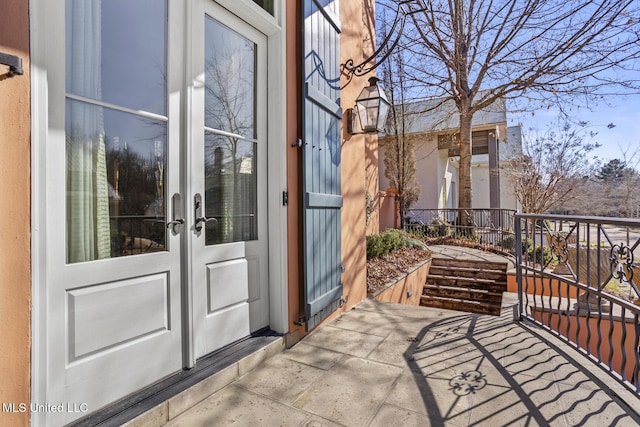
point(585, 331)
point(359, 161)
point(358, 153)
point(406, 289)
point(15, 213)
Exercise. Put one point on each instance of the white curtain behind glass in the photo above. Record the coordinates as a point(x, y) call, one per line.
point(88, 228)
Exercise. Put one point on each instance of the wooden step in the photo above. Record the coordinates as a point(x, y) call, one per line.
point(468, 272)
point(467, 285)
point(465, 282)
point(465, 263)
point(481, 295)
point(461, 305)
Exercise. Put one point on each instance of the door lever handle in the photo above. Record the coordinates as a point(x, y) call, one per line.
point(203, 220)
point(173, 223)
point(200, 217)
point(178, 221)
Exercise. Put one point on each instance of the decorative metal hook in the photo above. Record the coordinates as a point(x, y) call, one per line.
point(361, 69)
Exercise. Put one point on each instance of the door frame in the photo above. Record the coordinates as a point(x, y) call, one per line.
point(47, 18)
point(273, 28)
point(233, 319)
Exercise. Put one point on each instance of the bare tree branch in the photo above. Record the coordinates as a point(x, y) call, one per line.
point(533, 53)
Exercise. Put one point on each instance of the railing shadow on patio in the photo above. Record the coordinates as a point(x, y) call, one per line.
point(575, 276)
point(576, 281)
point(484, 370)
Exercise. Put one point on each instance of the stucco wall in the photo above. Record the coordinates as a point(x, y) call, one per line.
point(480, 186)
point(507, 196)
point(429, 171)
point(438, 179)
point(15, 213)
point(358, 34)
point(358, 157)
point(372, 185)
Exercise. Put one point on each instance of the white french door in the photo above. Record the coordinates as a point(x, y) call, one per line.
point(228, 178)
point(150, 225)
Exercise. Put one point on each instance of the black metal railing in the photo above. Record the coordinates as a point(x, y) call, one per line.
point(577, 279)
point(491, 227)
point(137, 234)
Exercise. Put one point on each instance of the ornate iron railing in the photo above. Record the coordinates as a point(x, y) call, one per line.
point(577, 278)
point(491, 227)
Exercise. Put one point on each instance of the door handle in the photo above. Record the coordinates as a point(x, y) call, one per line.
point(178, 221)
point(200, 218)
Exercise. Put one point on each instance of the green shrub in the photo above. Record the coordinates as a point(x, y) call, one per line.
point(508, 241)
point(389, 240)
point(416, 230)
point(439, 228)
point(542, 253)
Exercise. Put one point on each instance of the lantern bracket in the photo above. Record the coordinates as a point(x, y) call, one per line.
point(404, 9)
point(13, 62)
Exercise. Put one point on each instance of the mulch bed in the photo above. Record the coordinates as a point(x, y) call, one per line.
point(387, 268)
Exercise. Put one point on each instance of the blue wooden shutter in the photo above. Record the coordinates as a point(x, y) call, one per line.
point(321, 160)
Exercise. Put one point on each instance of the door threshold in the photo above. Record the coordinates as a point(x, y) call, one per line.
point(159, 403)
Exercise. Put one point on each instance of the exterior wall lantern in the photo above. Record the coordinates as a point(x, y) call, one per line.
point(372, 105)
point(372, 108)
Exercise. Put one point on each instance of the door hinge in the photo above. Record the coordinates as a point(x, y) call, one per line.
point(285, 198)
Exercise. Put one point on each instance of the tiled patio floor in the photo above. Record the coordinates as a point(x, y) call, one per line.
point(386, 365)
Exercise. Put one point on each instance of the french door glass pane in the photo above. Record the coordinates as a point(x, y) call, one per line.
point(230, 147)
point(116, 52)
point(265, 4)
point(115, 160)
point(229, 80)
point(115, 183)
point(230, 189)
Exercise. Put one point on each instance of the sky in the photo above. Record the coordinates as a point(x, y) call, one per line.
point(624, 113)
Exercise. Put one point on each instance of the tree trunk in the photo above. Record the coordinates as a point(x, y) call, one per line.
point(464, 173)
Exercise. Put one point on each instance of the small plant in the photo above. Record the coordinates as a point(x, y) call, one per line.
point(370, 206)
point(508, 241)
point(390, 240)
point(540, 253)
point(439, 228)
point(417, 231)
